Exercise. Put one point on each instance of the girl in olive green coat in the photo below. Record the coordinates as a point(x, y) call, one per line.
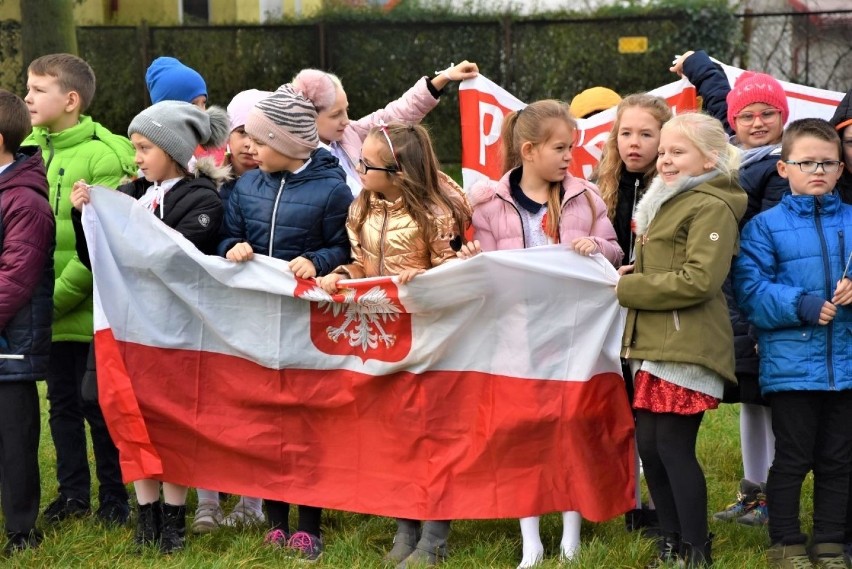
point(678, 337)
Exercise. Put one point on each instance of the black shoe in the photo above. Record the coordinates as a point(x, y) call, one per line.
point(173, 534)
point(18, 541)
point(668, 547)
point(62, 508)
point(113, 511)
point(695, 555)
point(149, 523)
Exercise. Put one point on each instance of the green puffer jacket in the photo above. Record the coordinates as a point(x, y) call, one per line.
point(90, 152)
point(677, 311)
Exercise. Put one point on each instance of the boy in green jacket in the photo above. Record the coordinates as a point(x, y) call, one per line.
point(59, 88)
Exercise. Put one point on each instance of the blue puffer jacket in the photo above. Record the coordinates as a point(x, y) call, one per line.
point(799, 247)
point(286, 215)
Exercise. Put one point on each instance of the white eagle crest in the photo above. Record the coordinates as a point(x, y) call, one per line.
point(363, 325)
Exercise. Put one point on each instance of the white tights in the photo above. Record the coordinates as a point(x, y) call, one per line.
point(533, 550)
point(757, 441)
point(148, 492)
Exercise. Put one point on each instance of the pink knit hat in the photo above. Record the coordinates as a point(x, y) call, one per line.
point(241, 104)
point(752, 87)
point(286, 121)
point(317, 86)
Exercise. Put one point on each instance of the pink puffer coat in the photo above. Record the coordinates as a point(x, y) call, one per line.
point(497, 223)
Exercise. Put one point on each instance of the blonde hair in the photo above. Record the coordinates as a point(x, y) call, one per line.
point(611, 166)
point(413, 161)
point(709, 137)
point(535, 124)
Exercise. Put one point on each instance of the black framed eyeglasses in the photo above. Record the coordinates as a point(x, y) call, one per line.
point(811, 166)
point(362, 168)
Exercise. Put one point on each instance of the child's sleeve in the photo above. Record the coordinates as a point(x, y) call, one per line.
point(710, 244)
point(355, 269)
point(412, 106)
point(603, 233)
point(28, 234)
point(712, 85)
point(335, 238)
point(767, 304)
point(234, 224)
point(190, 226)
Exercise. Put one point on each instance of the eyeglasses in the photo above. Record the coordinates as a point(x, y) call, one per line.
point(362, 168)
point(811, 166)
point(767, 116)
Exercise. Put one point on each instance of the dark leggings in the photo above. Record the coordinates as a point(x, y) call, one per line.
point(667, 447)
point(279, 517)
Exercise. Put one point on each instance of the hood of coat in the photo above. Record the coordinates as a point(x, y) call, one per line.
point(322, 165)
point(27, 170)
point(486, 190)
point(713, 183)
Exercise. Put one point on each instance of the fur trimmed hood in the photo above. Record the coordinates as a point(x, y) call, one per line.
point(659, 193)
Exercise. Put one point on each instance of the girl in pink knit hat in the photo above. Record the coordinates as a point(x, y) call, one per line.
point(342, 137)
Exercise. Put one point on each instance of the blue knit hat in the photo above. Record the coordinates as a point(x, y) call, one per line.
point(170, 80)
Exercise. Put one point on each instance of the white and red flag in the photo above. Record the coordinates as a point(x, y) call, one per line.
point(484, 388)
point(484, 104)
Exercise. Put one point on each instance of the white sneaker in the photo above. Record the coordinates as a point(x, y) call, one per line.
point(208, 517)
point(241, 516)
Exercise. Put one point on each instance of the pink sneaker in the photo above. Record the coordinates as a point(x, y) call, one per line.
point(307, 545)
point(276, 538)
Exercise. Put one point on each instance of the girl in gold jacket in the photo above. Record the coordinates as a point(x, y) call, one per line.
point(406, 220)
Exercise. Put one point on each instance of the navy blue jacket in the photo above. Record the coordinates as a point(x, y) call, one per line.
point(286, 215)
point(797, 248)
point(27, 242)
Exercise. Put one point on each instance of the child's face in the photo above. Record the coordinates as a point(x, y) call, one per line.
point(154, 163)
point(373, 153)
point(846, 140)
point(757, 125)
point(550, 159)
point(678, 157)
point(241, 157)
point(810, 149)
point(638, 139)
point(333, 121)
point(270, 160)
point(49, 106)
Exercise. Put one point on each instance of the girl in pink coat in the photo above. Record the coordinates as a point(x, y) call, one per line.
point(342, 137)
point(538, 202)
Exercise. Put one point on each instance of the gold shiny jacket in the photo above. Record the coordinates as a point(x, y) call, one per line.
point(390, 241)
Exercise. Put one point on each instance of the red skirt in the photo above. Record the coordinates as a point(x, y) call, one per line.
point(657, 395)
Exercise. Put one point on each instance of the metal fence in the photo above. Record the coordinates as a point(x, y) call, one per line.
point(533, 59)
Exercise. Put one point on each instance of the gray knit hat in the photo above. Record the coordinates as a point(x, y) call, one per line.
point(178, 127)
point(286, 121)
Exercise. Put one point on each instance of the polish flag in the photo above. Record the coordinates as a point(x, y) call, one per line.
point(483, 105)
point(485, 388)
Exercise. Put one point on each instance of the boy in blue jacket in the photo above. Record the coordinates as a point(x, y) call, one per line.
point(292, 207)
point(790, 280)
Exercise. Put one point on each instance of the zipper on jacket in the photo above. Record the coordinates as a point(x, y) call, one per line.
point(58, 191)
point(842, 252)
point(49, 153)
point(829, 330)
point(632, 215)
point(275, 213)
point(520, 218)
point(676, 317)
point(382, 241)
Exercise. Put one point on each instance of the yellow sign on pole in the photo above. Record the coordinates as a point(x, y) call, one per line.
point(633, 44)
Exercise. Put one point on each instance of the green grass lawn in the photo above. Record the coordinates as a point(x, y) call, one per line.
point(359, 541)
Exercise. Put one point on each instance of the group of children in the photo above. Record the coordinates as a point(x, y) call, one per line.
point(340, 199)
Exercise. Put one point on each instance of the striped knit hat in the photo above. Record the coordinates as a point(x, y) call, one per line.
point(286, 121)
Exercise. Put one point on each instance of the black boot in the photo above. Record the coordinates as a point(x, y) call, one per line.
point(668, 546)
point(696, 555)
point(405, 540)
point(149, 521)
point(174, 528)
